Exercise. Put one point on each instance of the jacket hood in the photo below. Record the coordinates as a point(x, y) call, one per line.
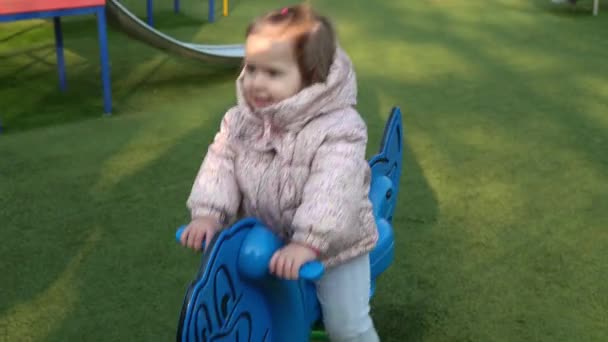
point(291, 114)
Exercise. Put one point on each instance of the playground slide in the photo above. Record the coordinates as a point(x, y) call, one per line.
point(138, 29)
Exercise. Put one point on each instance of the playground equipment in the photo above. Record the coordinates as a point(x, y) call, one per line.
point(136, 28)
point(596, 4)
point(12, 10)
point(176, 8)
point(234, 298)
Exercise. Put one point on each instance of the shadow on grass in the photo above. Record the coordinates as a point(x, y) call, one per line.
point(134, 66)
point(495, 109)
point(20, 32)
point(54, 209)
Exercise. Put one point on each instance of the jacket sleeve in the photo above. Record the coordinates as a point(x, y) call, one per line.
point(333, 194)
point(215, 191)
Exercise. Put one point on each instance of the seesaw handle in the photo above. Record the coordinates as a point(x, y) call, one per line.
point(180, 231)
point(312, 270)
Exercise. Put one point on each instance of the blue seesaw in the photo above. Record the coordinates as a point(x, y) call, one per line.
point(234, 297)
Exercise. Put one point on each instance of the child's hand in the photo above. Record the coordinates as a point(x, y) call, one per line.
point(199, 230)
point(286, 262)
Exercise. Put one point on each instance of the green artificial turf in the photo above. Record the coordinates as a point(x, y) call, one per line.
point(502, 222)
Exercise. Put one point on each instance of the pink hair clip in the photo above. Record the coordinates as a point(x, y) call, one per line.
point(284, 11)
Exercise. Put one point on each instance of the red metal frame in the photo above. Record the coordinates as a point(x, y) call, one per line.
point(24, 6)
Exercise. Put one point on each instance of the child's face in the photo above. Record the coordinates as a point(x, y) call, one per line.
point(271, 70)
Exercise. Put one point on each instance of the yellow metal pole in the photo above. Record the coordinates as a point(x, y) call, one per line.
point(225, 8)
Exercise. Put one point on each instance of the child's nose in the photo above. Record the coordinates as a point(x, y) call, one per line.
point(258, 80)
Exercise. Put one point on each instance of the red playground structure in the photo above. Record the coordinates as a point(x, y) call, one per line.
point(12, 10)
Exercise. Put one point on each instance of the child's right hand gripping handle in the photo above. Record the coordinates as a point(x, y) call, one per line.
point(180, 231)
point(257, 250)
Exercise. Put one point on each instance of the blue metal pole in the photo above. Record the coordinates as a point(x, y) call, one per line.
point(105, 60)
point(211, 11)
point(59, 49)
point(149, 11)
point(176, 6)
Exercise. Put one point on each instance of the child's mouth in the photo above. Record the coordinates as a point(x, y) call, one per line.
point(261, 102)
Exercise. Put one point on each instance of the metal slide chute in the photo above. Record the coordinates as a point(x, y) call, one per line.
point(139, 30)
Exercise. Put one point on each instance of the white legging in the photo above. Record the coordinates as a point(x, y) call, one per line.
point(343, 292)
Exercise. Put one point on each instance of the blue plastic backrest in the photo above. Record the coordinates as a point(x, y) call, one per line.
point(386, 173)
point(386, 168)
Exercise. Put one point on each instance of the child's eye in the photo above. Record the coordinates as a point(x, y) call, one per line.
point(274, 72)
point(250, 68)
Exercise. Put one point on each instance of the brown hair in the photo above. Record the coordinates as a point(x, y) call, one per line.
point(313, 34)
